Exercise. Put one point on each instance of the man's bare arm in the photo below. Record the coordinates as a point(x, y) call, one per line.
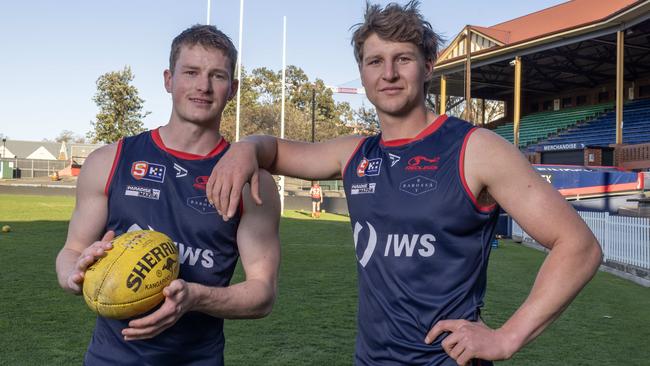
point(311, 161)
point(83, 244)
point(259, 248)
point(542, 212)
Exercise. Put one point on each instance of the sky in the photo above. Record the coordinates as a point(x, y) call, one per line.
point(54, 51)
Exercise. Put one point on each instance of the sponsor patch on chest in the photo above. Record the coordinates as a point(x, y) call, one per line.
point(363, 188)
point(142, 192)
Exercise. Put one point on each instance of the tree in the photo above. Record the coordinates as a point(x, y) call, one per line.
point(68, 136)
point(120, 107)
point(261, 98)
point(367, 122)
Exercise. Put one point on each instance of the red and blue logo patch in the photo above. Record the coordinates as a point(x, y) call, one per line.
point(142, 170)
point(369, 167)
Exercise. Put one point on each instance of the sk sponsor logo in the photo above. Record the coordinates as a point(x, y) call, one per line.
point(142, 170)
point(394, 159)
point(142, 192)
point(418, 185)
point(363, 188)
point(418, 163)
point(370, 168)
point(180, 171)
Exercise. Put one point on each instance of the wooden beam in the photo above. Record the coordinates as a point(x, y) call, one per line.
point(468, 75)
point(443, 94)
point(620, 77)
point(517, 101)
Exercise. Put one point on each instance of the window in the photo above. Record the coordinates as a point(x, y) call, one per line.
point(534, 107)
point(581, 100)
point(567, 102)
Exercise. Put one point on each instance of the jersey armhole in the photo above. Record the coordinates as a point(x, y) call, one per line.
point(345, 168)
point(461, 172)
point(116, 161)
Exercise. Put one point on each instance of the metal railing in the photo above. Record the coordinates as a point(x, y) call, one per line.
point(30, 168)
point(623, 239)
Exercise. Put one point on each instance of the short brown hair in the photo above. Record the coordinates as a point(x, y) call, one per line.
point(207, 36)
point(397, 23)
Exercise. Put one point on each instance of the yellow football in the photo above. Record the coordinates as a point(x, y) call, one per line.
point(129, 279)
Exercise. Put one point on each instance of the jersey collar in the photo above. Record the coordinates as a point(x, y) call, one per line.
point(221, 145)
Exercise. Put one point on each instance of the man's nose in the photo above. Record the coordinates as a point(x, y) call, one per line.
point(203, 84)
point(390, 71)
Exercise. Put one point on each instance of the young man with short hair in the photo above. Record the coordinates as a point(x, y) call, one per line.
point(156, 180)
point(424, 197)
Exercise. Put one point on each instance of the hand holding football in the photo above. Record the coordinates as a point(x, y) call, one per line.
point(129, 280)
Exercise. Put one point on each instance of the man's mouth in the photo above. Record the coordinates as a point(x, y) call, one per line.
point(201, 101)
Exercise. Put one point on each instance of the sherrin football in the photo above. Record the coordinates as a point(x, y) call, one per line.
point(129, 279)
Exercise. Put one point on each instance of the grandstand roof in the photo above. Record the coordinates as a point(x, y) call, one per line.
point(574, 14)
point(569, 46)
point(556, 18)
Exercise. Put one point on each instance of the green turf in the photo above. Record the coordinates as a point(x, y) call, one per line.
point(313, 322)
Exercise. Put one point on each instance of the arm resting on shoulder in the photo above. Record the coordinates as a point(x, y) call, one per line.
point(259, 248)
point(241, 163)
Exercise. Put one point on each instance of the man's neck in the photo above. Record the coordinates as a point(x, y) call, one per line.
point(190, 138)
point(405, 126)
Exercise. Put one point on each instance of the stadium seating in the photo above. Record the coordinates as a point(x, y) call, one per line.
point(539, 126)
point(602, 130)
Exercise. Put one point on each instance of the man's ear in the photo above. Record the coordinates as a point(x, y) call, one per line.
point(233, 88)
point(167, 75)
point(428, 69)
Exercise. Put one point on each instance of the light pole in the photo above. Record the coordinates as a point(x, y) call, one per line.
point(4, 142)
point(313, 114)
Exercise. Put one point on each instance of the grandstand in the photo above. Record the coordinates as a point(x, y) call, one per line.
point(538, 126)
point(574, 80)
point(601, 131)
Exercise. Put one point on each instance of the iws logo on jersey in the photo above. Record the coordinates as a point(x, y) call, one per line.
point(372, 243)
point(369, 167)
point(397, 245)
point(180, 171)
point(148, 171)
point(418, 185)
point(201, 182)
point(142, 192)
point(363, 188)
point(394, 159)
point(420, 162)
point(201, 205)
point(403, 245)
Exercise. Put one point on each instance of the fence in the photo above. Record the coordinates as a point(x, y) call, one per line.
point(623, 239)
point(30, 168)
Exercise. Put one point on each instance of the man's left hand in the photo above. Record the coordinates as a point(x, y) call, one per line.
point(470, 340)
point(178, 301)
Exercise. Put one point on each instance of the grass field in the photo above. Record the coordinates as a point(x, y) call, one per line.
point(313, 322)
